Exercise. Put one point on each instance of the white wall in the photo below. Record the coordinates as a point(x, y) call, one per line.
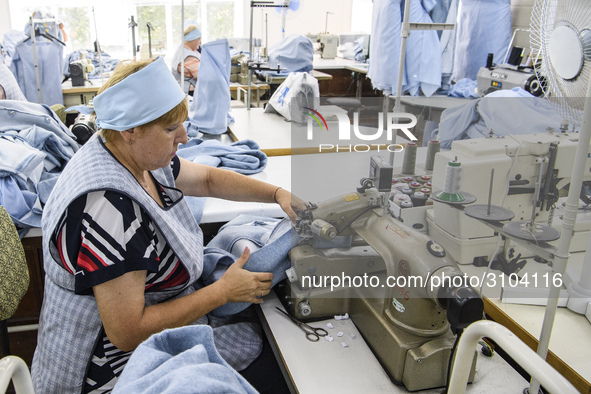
point(310, 18)
point(5, 25)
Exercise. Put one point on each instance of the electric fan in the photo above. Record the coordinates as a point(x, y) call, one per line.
point(561, 39)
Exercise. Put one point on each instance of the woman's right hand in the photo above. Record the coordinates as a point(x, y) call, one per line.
point(240, 285)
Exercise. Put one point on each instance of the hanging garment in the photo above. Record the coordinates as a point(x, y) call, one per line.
point(483, 27)
point(384, 46)
point(448, 45)
point(423, 53)
point(210, 109)
point(49, 60)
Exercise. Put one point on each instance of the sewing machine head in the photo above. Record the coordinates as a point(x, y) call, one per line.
point(396, 283)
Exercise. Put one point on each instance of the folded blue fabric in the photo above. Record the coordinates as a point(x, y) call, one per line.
point(180, 360)
point(465, 87)
point(211, 103)
point(244, 157)
point(269, 241)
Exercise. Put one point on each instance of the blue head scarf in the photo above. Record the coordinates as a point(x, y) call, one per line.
point(138, 99)
point(193, 35)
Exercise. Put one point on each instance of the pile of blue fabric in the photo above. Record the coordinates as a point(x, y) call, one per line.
point(295, 53)
point(180, 360)
point(108, 63)
point(34, 148)
point(244, 157)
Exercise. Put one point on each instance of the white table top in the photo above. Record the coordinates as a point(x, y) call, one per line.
point(339, 63)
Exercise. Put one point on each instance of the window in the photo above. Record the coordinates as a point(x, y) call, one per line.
point(110, 20)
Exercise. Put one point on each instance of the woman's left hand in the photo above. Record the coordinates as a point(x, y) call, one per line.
point(290, 203)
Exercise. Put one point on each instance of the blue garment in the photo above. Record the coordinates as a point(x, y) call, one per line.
point(423, 53)
point(483, 27)
point(269, 241)
point(465, 87)
point(384, 46)
point(448, 45)
point(49, 59)
point(244, 157)
point(506, 112)
point(180, 360)
point(211, 104)
point(295, 53)
point(108, 63)
point(39, 147)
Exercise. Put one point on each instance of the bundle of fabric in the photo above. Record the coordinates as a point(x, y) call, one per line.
point(505, 112)
point(244, 157)
point(269, 241)
point(295, 53)
point(35, 146)
point(180, 360)
point(209, 112)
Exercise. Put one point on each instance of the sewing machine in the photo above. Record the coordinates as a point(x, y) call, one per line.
point(406, 295)
point(79, 70)
point(523, 166)
point(490, 79)
point(326, 44)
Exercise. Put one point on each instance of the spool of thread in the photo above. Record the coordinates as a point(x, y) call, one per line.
point(415, 185)
point(451, 185)
point(406, 204)
point(407, 191)
point(410, 158)
point(424, 179)
point(400, 187)
point(408, 179)
point(429, 185)
point(432, 148)
point(395, 181)
point(426, 191)
point(418, 199)
point(399, 198)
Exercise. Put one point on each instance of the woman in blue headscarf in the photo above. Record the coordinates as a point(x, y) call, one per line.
point(121, 247)
point(189, 52)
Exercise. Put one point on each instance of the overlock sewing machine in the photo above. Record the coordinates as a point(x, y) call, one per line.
point(415, 299)
point(529, 171)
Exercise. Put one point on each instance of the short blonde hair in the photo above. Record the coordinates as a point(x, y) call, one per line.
point(189, 29)
point(122, 71)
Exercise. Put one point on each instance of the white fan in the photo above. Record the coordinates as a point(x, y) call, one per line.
point(561, 38)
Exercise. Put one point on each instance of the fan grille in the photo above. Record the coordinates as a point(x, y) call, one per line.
point(567, 95)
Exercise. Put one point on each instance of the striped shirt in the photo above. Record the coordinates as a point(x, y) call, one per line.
point(104, 235)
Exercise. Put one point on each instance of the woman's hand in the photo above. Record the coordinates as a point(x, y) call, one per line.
point(290, 203)
point(240, 285)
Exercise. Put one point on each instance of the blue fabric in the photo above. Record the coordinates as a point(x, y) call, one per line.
point(269, 241)
point(506, 112)
point(211, 103)
point(448, 45)
point(385, 42)
point(483, 27)
point(108, 63)
point(423, 53)
point(244, 157)
point(180, 360)
point(465, 87)
point(49, 59)
point(138, 99)
point(34, 148)
point(295, 53)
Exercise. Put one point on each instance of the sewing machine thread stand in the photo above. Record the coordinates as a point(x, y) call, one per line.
point(489, 212)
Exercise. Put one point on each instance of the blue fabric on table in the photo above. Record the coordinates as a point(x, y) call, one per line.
point(295, 53)
point(180, 360)
point(269, 241)
point(506, 112)
point(465, 87)
point(211, 102)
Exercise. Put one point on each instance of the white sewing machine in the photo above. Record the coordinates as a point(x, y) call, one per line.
point(522, 164)
point(326, 44)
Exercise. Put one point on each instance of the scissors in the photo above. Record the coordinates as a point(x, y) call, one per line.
point(312, 333)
